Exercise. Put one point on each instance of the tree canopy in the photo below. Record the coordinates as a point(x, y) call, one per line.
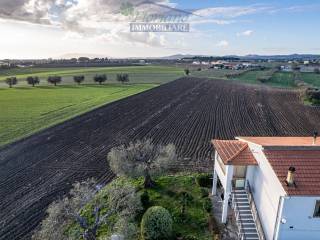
point(100, 78)
point(54, 80)
point(11, 81)
point(119, 201)
point(142, 158)
point(33, 80)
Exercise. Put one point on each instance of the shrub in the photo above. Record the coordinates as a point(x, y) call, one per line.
point(204, 180)
point(204, 192)
point(190, 237)
point(145, 199)
point(207, 205)
point(156, 224)
point(313, 95)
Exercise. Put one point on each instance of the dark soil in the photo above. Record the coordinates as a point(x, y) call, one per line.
point(187, 112)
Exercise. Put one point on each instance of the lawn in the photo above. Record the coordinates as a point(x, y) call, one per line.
point(26, 110)
point(214, 73)
point(278, 79)
point(311, 78)
point(137, 74)
point(166, 194)
point(282, 79)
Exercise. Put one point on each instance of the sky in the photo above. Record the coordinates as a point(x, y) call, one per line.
point(100, 28)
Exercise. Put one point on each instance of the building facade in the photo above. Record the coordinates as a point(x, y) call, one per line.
point(271, 184)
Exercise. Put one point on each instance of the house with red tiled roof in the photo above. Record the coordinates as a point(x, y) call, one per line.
point(270, 186)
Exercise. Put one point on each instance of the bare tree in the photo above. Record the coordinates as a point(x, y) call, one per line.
point(33, 80)
point(142, 158)
point(11, 81)
point(100, 78)
point(120, 199)
point(78, 79)
point(54, 80)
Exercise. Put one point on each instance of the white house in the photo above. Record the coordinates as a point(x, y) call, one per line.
point(272, 186)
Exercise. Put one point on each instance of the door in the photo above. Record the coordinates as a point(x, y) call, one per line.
point(239, 176)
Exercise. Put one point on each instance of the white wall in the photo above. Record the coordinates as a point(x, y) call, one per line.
point(266, 190)
point(298, 213)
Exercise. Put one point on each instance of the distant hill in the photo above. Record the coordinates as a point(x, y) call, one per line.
point(250, 57)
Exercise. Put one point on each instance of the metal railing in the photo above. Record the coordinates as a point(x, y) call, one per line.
point(255, 213)
point(237, 216)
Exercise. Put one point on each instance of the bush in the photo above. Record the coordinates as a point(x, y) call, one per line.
point(156, 224)
point(204, 180)
point(145, 199)
point(190, 237)
point(204, 192)
point(207, 205)
point(313, 95)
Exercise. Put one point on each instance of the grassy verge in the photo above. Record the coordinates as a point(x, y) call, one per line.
point(24, 111)
point(137, 74)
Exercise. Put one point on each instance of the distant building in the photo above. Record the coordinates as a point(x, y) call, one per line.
point(271, 185)
point(286, 68)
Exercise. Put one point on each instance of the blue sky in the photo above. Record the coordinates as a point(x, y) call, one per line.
point(58, 28)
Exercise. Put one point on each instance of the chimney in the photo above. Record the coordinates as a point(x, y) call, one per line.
point(290, 177)
point(315, 135)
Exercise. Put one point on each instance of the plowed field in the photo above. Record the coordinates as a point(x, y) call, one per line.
point(187, 112)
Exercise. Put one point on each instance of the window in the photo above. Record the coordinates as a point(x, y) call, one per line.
point(317, 209)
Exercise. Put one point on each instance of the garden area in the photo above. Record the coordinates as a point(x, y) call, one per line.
point(147, 201)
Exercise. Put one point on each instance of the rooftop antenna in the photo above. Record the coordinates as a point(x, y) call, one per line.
point(315, 135)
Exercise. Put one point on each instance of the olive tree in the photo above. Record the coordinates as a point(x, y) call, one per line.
point(33, 80)
point(11, 81)
point(123, 77)
point(120, 199)
point(142, 159)
point(100, 78)
point(54, 80)
point(78, 79)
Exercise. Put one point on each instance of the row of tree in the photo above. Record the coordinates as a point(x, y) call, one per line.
point(98, 78)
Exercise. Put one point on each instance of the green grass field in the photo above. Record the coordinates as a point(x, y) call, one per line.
point(137, 74)
point(278, 79)
point(311, 78)
point(214, 73)
point(26, 110)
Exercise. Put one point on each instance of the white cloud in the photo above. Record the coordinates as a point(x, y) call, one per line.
point(223, 43)
point(246, 33)
point(230, 12)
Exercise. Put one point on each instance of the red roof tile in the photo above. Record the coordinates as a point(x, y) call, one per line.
point(234, 152)
point(307, 165)
point(282, 141)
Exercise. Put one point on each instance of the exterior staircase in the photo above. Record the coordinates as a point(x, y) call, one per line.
point(244, 216)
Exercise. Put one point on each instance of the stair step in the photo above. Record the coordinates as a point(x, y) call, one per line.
point(247, 221)
point(246, 218)
point(240, 200)
point(251, 236)
point(249, 229)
